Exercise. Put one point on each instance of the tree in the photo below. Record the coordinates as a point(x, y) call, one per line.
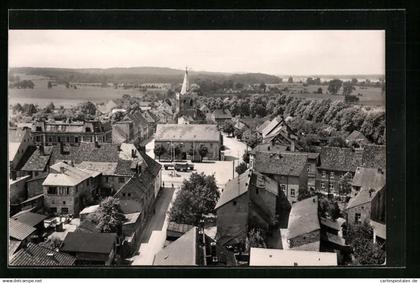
point(245, 157)
point(256, 239)
point(263, 87)
point(334, 86)
point(228, 127)
point(348, 88)
point(109, 217)
point(88, 108)
point(159, 150)
point(290, 80)
point(17, 108)
point(337, 142)
point(251, 138)
point(198, 196)
point(238, 133)
point(241, 168)
point(351, 99)
point(344, 184)
point(203, 151)
point(29, 109)
point(49, 84)
point(319, 90)
point(329, 208)
point(49, 108)
point(304, 193)
point(360, 239)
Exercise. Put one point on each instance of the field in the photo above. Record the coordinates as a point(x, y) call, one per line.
point(62, 96)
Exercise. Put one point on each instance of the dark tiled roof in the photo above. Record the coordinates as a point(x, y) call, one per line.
point(137, 117)
point(29, 218)
point(38, 255)
point(285, 163)
point(87, 227)
point(222, 114)
point(86, 242)
point(124, 168)
point(268, 147)
point(374, 156)
point(181, 228)
point(105, 152)
point(303, 217)
point(153, 166)
point(337, 158)
point(19, 230)
point(38, 161)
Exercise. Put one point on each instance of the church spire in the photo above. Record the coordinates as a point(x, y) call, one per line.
point(186, 84)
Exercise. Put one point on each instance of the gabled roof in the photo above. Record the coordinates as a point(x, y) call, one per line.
point(369, 177)
point(70, 176)
point(39, 255)
point(38, 161)
point(285, 163)
point(269, 147)
point(195, 132)
point(356, 136)
point(374, 156)
point(234, 188)
point(303, 217)
point(13, 246)
point(180, 252)
point(222, 114)
point(19, 230)
point(278, 257)
point(365, 195)
point(85, 242)
point(261, 127)
point(29, 218)
point(271, 126)
point(153, 166)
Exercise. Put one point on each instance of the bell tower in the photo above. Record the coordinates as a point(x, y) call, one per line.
point(186, 101)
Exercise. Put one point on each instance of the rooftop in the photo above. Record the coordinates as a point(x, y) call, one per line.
point(38, 160)
point(285, 163)
point(277, 257)
point(303, 217)
point(39, 255)
point(87, 242)
point(356, 136)
point(194, 132)
point(369, 177)
point(19, 230)
point(365, 195)
point(234, 188)
point(67, 176)
point(29, 218)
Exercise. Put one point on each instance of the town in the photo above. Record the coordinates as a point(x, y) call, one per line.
point(197, 173)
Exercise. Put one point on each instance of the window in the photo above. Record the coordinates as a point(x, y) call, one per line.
point(68, 139)
point(38, 138)
point(357, 217)
point(123, 194)
point(257, 191)
point(53, 210)
point(49, 139)
point(129, 194)
point(38, 129)
point(234, 202)
point(324, 174)
point(292, 192)
point(323, 185)
point(332, 175)
point(331, 185)
point(87, 130)
point(64, 210)
point(121, 179)
point(64, 202)
point(52, 190)
point(76, 139)
point(106, 179)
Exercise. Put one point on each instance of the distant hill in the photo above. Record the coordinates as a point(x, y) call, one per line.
point(140, 75)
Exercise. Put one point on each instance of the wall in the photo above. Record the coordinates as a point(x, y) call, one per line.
point(212, 147)
point(17, 190)
point(312, 237)
point(333, 179)
point(364, 211)
point(232, 220)
point(126, 128)
point(34, 186)
point(290, 183)
point(263, 201)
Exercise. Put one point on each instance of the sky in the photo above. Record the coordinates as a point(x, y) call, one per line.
point(271, 52)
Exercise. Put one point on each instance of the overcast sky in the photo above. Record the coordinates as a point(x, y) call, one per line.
point(272, 52)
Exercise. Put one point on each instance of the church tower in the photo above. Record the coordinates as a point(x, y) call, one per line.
point(185, 100)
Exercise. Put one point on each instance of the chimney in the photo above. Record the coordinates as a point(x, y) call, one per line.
point(41, 150)
point(96, 143)
point(62, 169)
point(133, 153)
point(292, 146)
point(268, 148)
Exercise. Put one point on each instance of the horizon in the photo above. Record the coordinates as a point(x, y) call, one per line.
point(279, 53)
point(198, 71)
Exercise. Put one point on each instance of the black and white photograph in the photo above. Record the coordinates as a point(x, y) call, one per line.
point(197, 148)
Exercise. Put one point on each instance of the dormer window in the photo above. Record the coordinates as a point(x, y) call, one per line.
point(88, 130)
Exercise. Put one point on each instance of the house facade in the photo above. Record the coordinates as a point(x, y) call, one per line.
point(188, 141)
point(70, 132)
